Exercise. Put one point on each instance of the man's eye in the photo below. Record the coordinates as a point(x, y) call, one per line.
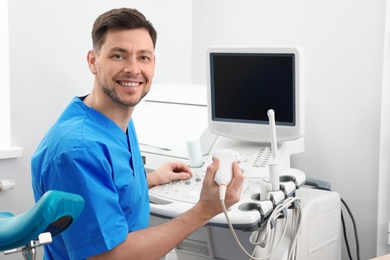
point(117, 56)
point(145, 58)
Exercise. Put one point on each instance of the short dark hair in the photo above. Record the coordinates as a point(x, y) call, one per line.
point(122, 18)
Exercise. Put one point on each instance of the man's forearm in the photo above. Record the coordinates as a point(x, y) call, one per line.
point(155, 242)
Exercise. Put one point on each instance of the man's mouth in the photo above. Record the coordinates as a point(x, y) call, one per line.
point(129, 84)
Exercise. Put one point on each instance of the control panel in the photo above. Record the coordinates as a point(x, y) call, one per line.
point(174, 198)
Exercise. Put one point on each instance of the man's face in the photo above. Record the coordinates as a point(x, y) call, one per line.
point(124, 66)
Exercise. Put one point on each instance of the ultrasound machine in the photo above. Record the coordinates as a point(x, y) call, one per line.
point(253, 105)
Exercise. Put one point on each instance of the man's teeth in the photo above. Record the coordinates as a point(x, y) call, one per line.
point(129, 84)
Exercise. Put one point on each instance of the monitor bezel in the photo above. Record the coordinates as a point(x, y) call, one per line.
point(259, 132)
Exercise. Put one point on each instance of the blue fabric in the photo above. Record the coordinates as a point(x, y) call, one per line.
point(88, 154)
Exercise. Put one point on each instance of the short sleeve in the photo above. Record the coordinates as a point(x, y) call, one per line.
point(102, 222)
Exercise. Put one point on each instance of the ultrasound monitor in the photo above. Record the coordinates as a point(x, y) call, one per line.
point(244, 83)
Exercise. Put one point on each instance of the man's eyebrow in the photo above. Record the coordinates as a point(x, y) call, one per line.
point(147, 51)
point(122, 50)
point(118, 49)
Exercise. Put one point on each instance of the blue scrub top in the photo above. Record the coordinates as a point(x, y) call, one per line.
point(88, 154)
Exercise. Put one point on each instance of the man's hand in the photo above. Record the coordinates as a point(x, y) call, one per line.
point(169, 172)
point(209, 197)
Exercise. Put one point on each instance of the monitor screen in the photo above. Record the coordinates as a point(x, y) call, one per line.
point(244, 83)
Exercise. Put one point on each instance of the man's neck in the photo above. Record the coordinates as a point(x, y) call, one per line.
point(118, 114)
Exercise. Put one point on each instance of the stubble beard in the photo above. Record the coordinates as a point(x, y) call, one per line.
point(112, 93)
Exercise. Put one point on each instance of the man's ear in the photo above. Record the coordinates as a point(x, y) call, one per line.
point(91, 59)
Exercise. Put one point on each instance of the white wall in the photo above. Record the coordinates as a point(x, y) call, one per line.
point(5, 131)
point(343, 43)
point(384, 156)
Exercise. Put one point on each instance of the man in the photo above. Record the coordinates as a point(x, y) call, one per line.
point(92, 150)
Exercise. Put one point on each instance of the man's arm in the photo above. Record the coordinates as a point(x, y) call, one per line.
point(155, 242)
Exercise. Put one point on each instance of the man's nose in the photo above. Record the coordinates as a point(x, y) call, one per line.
point(132, 67)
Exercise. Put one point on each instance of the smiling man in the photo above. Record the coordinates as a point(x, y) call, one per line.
point(92, 150)
point(124, 68)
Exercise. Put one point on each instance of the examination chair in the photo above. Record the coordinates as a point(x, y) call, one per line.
point(51, 215)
